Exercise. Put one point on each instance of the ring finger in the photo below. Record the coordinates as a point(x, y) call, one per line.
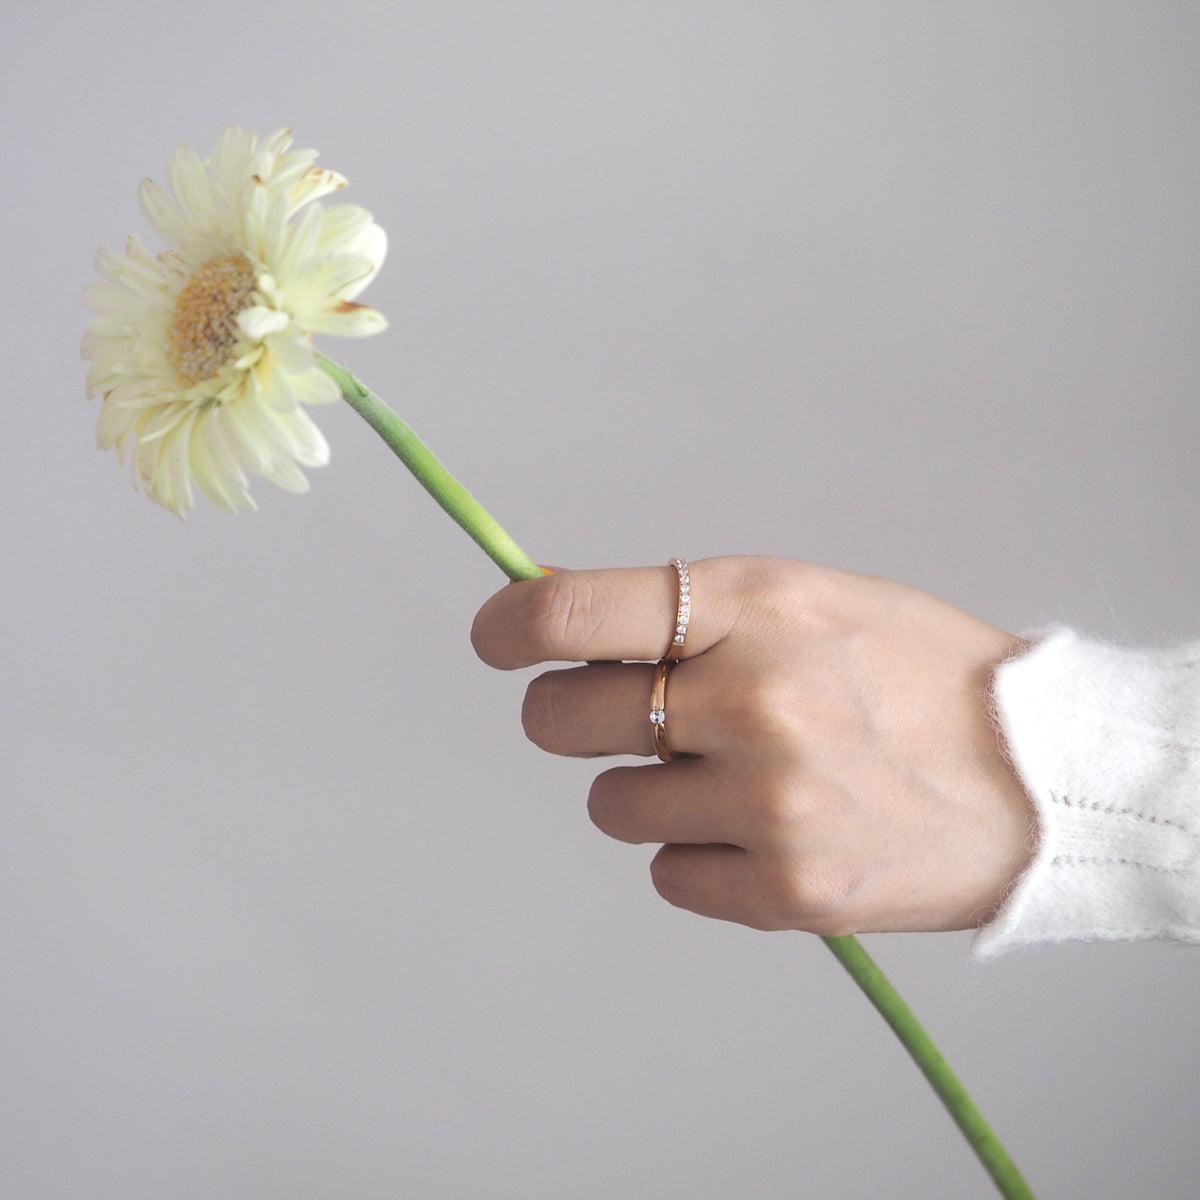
point(604, 708)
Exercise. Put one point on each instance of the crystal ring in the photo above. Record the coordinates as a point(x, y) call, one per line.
point(683, 611)
point(658, 710)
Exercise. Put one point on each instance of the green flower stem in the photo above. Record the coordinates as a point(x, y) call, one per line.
point(865, 972)
point(516, 564)
point(435, 479)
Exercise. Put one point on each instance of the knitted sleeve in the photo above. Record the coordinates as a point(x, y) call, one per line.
point(1107, 742)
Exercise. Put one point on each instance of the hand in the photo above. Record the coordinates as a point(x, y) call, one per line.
point(847, 776)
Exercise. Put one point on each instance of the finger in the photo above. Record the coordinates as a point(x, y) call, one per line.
point(712, 880)
point(759, 890)
point(604, 708)
point(719, 881)
point(689, 801)
point(623, 613)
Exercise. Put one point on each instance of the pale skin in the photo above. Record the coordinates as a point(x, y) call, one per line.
point(845, 773)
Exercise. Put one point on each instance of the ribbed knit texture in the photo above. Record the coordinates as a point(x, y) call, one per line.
point(1107, 742)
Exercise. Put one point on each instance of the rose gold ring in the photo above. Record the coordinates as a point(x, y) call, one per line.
point(658, 710)
point(683, 611)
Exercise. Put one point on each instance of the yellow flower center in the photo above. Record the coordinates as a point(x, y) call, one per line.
point(203, 327)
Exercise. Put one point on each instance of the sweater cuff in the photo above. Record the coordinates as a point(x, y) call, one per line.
point(1107, 742)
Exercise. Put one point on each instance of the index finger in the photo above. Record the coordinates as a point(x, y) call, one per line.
point(577, 616)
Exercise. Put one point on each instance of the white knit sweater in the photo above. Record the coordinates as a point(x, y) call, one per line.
point(1107, 742)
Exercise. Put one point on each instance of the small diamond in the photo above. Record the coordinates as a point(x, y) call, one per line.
point(657, 716)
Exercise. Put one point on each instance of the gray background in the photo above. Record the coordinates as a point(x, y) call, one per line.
point(288, 907)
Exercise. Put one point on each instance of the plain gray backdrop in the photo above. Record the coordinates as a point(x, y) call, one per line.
point(288, 906)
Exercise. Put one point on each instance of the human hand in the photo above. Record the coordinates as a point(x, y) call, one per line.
point(844, 774)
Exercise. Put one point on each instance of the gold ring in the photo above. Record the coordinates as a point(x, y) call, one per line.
point(683, 610)
point(658, 710)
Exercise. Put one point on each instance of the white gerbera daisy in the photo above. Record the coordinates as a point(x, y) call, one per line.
point(203, 354)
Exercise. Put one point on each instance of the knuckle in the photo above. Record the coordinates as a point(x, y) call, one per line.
point(566, 613)
point(766, 706)
point(812, 899)
point(781, 818)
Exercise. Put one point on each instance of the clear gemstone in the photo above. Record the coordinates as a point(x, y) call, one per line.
point(657, 716)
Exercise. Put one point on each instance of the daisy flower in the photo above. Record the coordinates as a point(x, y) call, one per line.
point(203, 354)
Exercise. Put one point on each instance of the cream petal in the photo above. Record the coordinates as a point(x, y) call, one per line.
point(288, 476)
point(300, 243)
point(190, 186)
point(315, 387)
point(248, 449)
point(273, 233)
point(346, 319)
point(310, 445)
point(115, 324)
point(277, 142)
point(325, 281)
point(291, 353)
point(230, 164)
point(215, 467)
point(137, 250)
point(113, 423)
point(159, 423)
point(345, 275)
point(364, 240)
point(162, 214)
point(102, 378)
point(289, 169)
point(293, 433)
point(103, 296)
point(255, 213)
point(163, 468)
point(257, 322)
point(312, 185)
point(258, 428)
point(119, 268)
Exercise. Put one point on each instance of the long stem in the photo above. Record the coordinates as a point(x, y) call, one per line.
point(516, 564)
point(436, 480)
point(863, 969)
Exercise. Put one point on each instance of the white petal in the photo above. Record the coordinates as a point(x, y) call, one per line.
point(291, 353)
point(300, 243)
point(288, 476)
point(314, 387)
point(161, 213)
point(312, 185)
point(190, 186)
point(111, 425)
point(215, 467)
point(274, 144)
point(346, 319)
point(163, 467)
point(257, 322)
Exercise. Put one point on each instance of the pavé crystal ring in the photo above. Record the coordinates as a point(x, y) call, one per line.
point(683, 611)
point(658, 710)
